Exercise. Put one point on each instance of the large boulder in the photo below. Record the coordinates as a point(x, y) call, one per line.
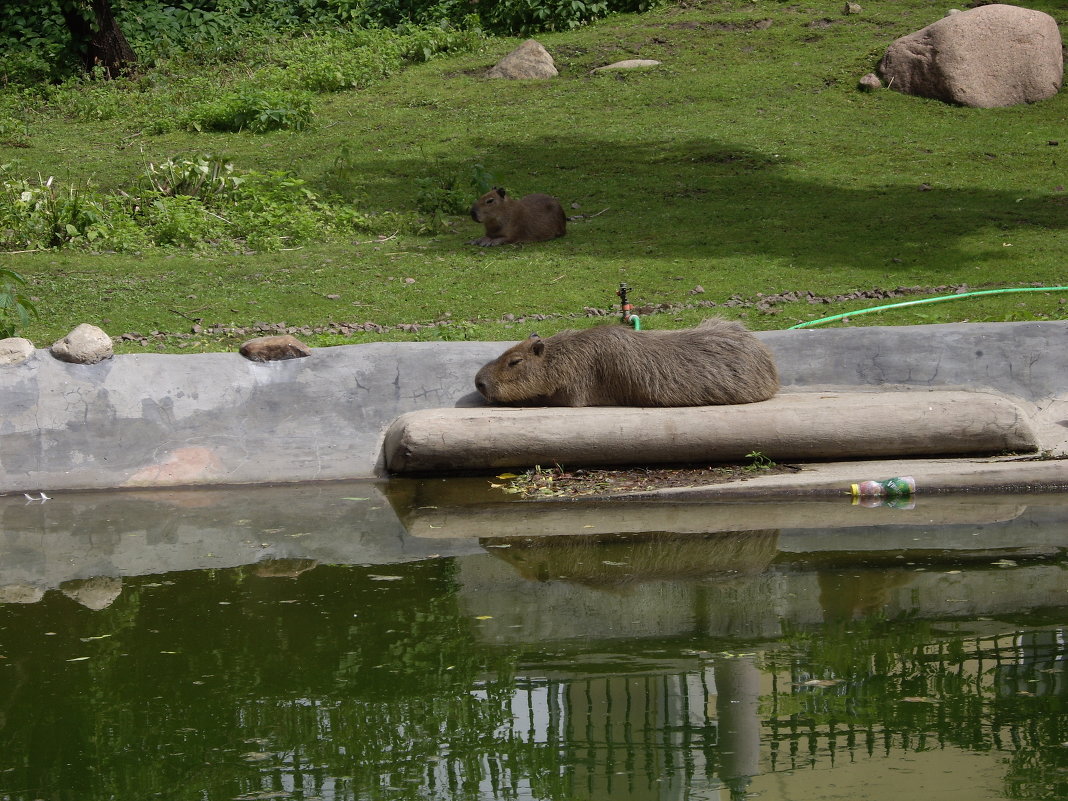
point(995, 55)
point(529, 60)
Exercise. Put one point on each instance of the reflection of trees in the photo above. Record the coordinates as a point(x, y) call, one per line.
point(876, 686)
point(229, 683)
point(348, 683)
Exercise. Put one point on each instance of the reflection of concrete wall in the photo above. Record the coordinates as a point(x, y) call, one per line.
point(83, 535)
point(443, 520)
point(745, 606)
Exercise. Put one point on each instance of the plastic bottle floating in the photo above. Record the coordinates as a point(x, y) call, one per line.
point(896, 492)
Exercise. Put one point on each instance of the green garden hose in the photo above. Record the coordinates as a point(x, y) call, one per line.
point(929, 300)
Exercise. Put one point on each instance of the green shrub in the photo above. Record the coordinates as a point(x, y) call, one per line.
point(13, 132)
point(253, 109)
point(15, 308)
point(202, 177)
point(40, 214)
point(530, 16)
point(452, 193)
point(25, 67)
point(182, 221)
point(273, 210)
point(334, 63)
point(157, 29)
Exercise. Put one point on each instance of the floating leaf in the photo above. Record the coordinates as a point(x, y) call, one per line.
point(385, 578)
point(78, 659)
point(483, 617)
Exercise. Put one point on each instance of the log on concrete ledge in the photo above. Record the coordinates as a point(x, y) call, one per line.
point(811, 426)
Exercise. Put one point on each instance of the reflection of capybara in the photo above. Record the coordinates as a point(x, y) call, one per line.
point(718, 362)
point(532, 218)
point(617, 560)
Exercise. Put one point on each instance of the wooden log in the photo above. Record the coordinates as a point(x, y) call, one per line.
point(812, 426)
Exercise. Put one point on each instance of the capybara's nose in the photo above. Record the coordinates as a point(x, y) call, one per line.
point(474, 212)
point(481, 386)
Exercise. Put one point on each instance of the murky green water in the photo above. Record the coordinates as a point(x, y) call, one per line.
point(321, 643)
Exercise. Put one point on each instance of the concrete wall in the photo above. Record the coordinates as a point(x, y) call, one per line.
point(171, 420)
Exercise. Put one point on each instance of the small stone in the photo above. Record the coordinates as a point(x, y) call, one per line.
point(852, 8)
point(629, 64)
point(870, 82)
point(274, 348)
point(86, 344)
point(15, 350)
point(697, 290)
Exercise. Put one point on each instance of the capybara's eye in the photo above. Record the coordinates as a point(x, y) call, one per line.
point(514, 361)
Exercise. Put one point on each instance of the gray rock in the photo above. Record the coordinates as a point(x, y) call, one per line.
point(15, 350)
point(629, 64)
point(852, 8)
point(995, 55)
point(529, 60)
point(86, 344)
point(275, 348)
point(870, 82)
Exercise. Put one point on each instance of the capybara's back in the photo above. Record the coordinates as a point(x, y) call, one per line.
point(718, 362)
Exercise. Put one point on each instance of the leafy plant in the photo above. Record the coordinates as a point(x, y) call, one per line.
point(758, 461)
point(452, 193)
point(255, 110)
point(41, 214)
point(13, 132)
point(203, 176)
point(15, 307)
point(182, 221)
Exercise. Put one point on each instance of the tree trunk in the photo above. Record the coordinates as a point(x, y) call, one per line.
point(98, 39)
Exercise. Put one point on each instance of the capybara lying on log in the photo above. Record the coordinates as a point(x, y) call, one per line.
point(532, 218)
point(718, 362)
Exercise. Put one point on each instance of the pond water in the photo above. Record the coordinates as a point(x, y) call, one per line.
point(403, 641)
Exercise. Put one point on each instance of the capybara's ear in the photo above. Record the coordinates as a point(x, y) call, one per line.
point(500, 191)
point(538, 347)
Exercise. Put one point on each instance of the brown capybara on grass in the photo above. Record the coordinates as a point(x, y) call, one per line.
point(718, 362)
point(532, 218)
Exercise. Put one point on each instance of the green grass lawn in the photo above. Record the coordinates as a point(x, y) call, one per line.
point(748, 164)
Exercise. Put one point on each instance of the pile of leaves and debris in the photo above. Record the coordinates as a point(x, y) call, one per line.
point(556, 482)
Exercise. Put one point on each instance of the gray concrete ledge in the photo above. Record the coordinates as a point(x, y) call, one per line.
point(156, 420)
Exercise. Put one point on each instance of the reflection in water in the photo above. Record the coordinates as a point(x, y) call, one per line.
point(646, 666)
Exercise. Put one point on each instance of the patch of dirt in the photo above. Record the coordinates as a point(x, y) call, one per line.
point(764, 304)
point(559, 483)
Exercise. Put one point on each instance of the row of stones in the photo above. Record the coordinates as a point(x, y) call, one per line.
point(88, 344)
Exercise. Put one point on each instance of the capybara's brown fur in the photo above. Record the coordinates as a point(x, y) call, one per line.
point(718, 362)
point(532, 218)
